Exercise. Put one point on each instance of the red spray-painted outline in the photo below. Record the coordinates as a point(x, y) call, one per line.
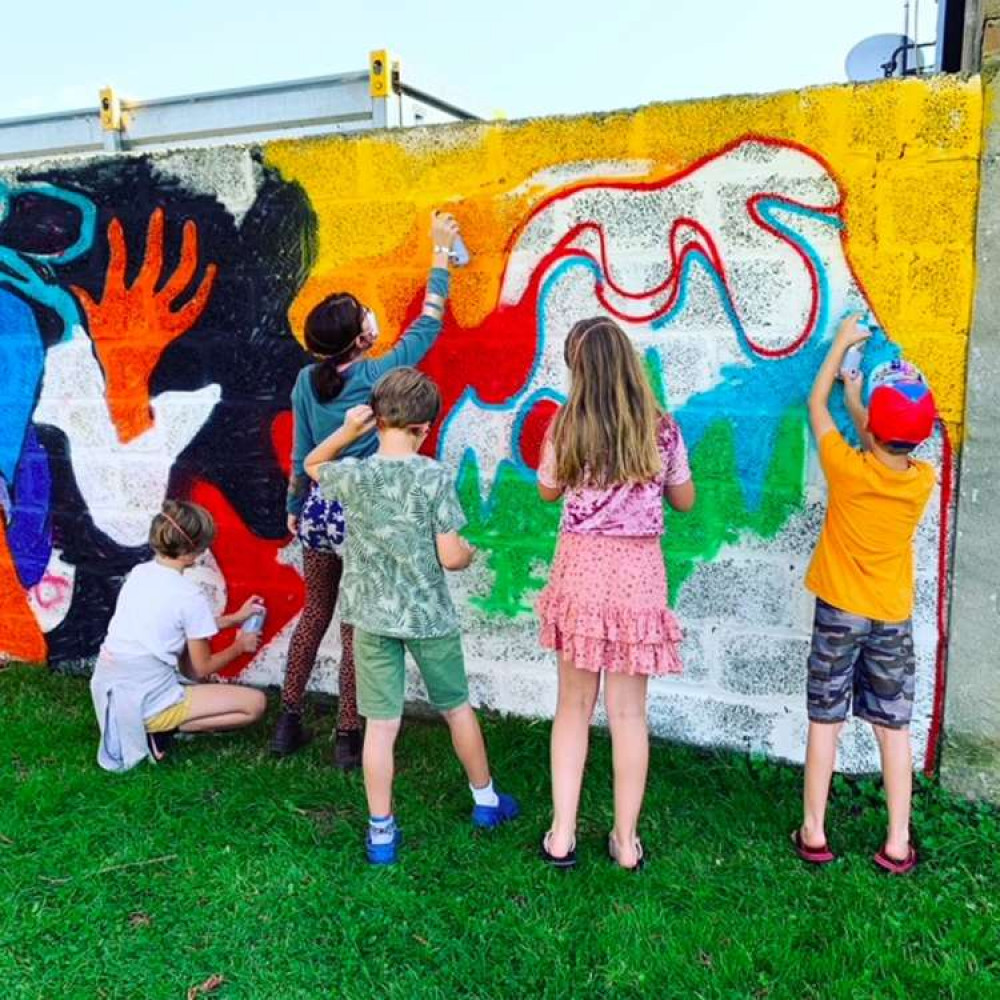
point(947, 462)
point(944, 552)
point(707, 246)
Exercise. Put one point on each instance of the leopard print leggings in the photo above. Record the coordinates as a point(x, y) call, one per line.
point(322, 577)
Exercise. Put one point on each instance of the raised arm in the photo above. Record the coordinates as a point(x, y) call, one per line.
point(848, 334)
point(856, 408)
point(298, 481)
point(358, 421)
point(419, 337)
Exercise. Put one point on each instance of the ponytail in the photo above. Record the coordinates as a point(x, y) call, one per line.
point(331, 329)
point(327, 380)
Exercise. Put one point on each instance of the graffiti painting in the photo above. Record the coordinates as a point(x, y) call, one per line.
point(150, 324)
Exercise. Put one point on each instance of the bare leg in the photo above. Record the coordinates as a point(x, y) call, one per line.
point(467, 739)
point(897, 774)
point(821, 756)
point(625, 699)
point(379, 765)
point(570, 739)
point(223, 706)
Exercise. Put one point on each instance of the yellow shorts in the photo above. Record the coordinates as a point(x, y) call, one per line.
point(171, 718)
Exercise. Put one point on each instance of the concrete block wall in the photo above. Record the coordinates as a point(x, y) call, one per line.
point(156, 311)
point(970, 762)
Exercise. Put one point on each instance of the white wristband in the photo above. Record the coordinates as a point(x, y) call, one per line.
point(445, 250)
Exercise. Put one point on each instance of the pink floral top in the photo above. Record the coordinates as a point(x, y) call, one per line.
point(627, 509)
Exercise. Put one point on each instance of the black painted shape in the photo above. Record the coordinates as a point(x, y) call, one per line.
point(39, 224)
point(242, 342)
point(100, 563)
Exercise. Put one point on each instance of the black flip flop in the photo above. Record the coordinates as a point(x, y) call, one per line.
point(562, 862)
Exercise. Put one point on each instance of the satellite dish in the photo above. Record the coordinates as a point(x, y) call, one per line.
point(882, 56)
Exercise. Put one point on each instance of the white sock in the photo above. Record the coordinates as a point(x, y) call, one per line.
point(381, 829)
point(485, 796)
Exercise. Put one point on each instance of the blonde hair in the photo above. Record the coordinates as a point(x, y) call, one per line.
point(180, 529)
point(606, 432)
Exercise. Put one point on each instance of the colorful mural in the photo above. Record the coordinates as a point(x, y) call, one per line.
point(154, 305)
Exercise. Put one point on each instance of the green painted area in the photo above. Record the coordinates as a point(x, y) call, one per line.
point(720, 514)
point(517, 531)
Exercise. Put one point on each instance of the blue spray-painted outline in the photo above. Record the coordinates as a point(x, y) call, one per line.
point(797, 369)
point(23, 277)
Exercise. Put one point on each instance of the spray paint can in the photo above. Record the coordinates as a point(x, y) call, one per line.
point(850, 366)
point(459, 254)
point(255, 623)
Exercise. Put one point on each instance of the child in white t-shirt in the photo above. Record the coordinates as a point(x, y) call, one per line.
point(161, 628)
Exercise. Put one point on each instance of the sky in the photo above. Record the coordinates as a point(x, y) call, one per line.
point(516, 58)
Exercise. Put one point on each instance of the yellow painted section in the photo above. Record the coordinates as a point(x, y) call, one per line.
point(905, 154)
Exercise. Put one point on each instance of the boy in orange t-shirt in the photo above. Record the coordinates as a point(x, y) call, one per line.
point(862, 576)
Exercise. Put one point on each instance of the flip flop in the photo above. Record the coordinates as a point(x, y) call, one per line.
point(639, 853)
point(821, 855)
point(893, 865)
point(563, 862)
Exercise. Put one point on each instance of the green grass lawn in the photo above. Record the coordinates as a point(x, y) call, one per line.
point(227, 862)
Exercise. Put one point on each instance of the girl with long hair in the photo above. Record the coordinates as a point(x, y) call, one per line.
point(614, 456)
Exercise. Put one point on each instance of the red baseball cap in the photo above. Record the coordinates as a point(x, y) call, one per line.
point(902, 412)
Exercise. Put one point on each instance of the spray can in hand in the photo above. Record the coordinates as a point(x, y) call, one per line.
point(459, 254)
point(255, 623)
point(850, 367)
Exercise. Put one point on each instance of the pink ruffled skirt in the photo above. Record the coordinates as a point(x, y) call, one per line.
point(605, 606)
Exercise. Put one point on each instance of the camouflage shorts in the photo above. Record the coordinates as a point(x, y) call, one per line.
point(857, 658)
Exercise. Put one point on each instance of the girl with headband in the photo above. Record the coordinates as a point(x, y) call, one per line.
point(340, 332)
point(161, 628)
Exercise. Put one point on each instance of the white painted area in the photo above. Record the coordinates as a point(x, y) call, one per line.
point(207, 574)
point(553, 178)
point(227, 174)
point(51, 598)
point(628, 233)
point(746, 612)
point(123, 485)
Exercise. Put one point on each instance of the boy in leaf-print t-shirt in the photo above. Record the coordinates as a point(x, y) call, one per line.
point(394, 583)
point(403, 519)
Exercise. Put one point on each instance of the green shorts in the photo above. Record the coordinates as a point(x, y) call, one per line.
point(381, 672)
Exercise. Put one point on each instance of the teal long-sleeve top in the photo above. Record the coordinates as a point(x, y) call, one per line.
point(315, 421)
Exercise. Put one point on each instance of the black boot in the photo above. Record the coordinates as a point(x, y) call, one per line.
point(289, 734)
point(347, 749)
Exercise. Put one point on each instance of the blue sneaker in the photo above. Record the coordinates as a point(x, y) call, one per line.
point(383, 854)
point(488, 817)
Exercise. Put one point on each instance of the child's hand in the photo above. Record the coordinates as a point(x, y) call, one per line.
point(247, 642)
point(444, 229)
point(359, 419)
point(293, 524)
point(250, 607)
point(851, 332)
point(853, 384)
